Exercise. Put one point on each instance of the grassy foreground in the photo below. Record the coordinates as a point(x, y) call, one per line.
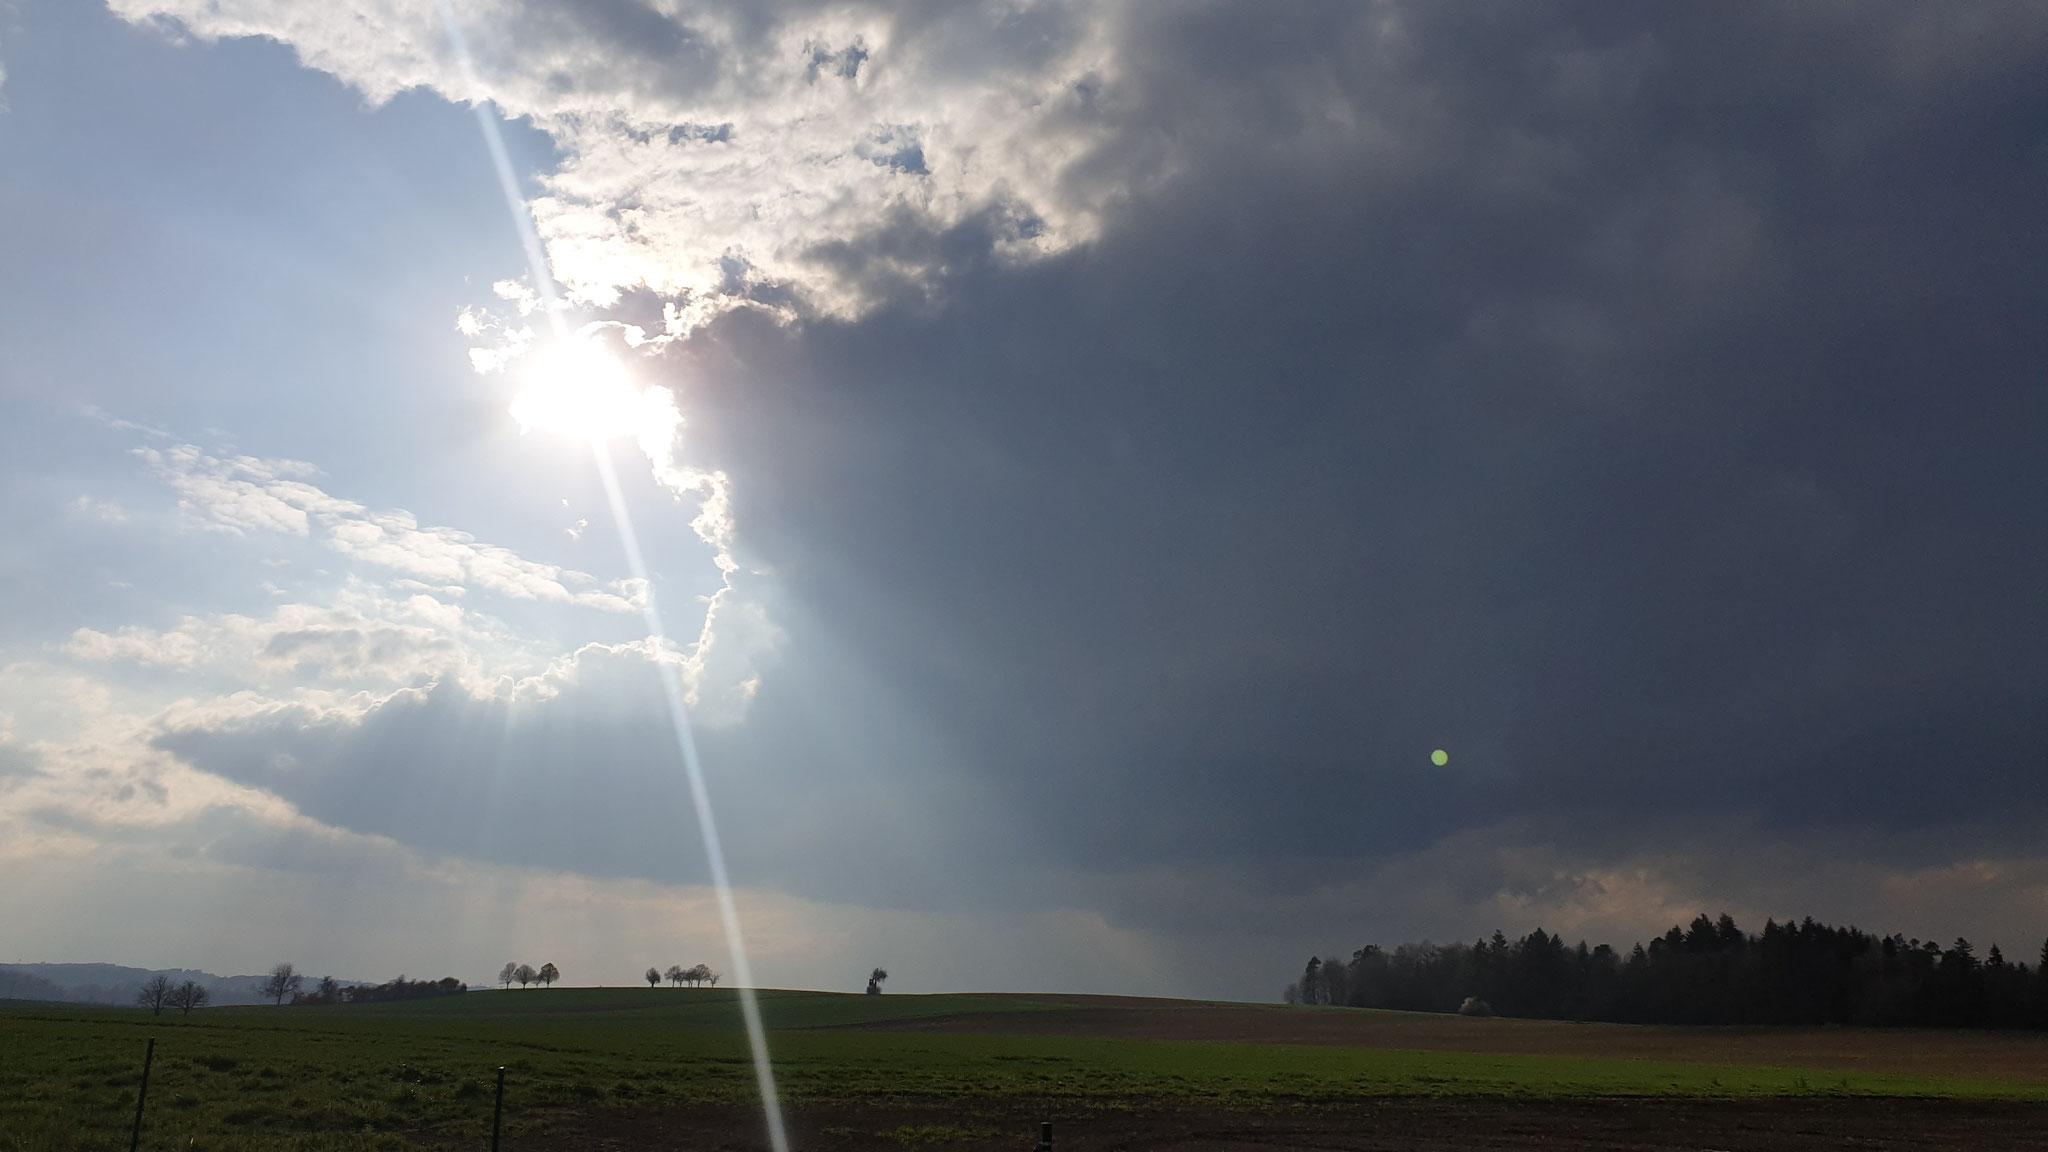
point(388, 1076)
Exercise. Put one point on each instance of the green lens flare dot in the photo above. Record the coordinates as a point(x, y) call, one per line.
point(1439, 757)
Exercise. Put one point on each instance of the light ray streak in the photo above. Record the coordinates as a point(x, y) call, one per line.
point(700, 798)
point(501, 162)
point(671, 683)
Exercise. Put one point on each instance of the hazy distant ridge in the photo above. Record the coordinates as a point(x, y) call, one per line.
point(116, 984)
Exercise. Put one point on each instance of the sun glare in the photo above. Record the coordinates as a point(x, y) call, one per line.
point(575, 388)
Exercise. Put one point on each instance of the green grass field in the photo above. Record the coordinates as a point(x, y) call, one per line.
point(391, 1076)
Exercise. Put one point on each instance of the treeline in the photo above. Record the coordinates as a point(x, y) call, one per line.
point(1711, 972)
point(286, 982)
point(696, 975)
point(399, 989)
point(525, 974)
point(158, 993)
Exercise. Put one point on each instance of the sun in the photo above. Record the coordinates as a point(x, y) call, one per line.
point(577, 389)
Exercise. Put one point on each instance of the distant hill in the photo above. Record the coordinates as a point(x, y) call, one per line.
point(116, 984)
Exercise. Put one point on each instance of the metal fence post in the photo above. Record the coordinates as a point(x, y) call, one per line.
point(141, 1094)
point(497, 1110)
point(1045, 1137)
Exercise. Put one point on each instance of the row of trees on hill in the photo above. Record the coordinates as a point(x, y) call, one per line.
point(1711, 972)
point(286, 982)
point(400, 989)
point(158, 993)
point(695, 976)
point(526, 974)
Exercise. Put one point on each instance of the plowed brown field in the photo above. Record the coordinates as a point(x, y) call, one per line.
point(2018, 1056)
point(1407, 1125)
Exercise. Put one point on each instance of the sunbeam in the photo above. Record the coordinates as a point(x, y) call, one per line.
point(576, 389)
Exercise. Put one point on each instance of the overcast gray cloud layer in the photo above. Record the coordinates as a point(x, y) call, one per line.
point(1642, 407)
point(1647, 412)
point(1147, 444)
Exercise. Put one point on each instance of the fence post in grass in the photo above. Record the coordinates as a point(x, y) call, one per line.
point(497, 1110)
point(141, 1094)
point(1045, 1137)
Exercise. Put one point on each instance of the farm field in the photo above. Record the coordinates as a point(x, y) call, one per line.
point(669, 1068)
point(2017, 1056)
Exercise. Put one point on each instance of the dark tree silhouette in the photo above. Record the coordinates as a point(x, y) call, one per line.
point(155, 993)
point(1707, 972)
point(404, 989)
point(875, 979)
point(187, 996)
point(525, 975)
point(508, 974)
point(548, 974)
point(283, 981)
point(1312, 982)
point(654, 976)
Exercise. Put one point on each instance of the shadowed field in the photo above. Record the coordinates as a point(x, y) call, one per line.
point(669, 1068)
point(2015, 1056)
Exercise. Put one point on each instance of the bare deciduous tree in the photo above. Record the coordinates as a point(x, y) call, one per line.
point(187, 996)
point(283, 981)
point(155, 993)
point(676, 974)
point(508, 973)
point(654, 975)
point(548, 974)
point(525, 974)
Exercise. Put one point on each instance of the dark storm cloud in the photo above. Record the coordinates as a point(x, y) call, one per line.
point(579, 771)
point(504, 778)
point(1644, 404)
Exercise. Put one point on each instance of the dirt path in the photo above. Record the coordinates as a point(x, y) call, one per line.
point(1914, 1052)
point(1363, 1126)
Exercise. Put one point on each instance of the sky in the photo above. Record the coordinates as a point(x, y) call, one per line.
point(1088, 457)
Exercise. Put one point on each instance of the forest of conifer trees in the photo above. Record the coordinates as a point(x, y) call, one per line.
point(1709, 973)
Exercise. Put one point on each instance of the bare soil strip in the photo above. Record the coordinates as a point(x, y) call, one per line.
point(1409, 1125)
point(2019, 1056)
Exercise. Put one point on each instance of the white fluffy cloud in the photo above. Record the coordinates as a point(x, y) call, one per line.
point(363, 637)
point(244, 494)
point(410, 630)
point(793, 155)
point(38, 701)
